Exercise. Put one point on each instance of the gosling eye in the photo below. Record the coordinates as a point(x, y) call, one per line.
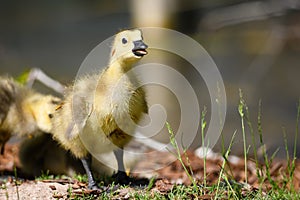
point(124, 41)
point(50, 115)
point(55, 102)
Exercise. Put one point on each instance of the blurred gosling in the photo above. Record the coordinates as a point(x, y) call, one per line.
point(23, 112)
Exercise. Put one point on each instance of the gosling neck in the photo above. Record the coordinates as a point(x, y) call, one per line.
point(122, 65)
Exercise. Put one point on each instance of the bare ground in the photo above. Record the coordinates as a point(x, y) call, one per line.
point(167, 176)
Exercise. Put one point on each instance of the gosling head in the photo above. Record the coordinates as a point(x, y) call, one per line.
point(128, 47)
point(42, 109)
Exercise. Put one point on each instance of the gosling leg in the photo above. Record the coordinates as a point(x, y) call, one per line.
point(121, 176)
point(86, 162)
point(38, 74)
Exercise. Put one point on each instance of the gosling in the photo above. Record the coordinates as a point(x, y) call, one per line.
point(23, 112)
point(88, 119)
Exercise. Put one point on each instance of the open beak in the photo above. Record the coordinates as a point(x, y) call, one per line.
point(139, 48)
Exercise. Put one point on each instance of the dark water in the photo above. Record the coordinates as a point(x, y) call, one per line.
point(55, 36)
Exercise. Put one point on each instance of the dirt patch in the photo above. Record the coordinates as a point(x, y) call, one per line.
point(235, 170)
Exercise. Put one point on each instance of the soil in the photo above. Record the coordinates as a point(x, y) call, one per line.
point(166, 176)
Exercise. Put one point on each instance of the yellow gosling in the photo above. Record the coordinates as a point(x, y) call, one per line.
point(23, 112)
point(98, 107)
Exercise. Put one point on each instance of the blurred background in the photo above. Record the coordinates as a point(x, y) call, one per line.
point(255, 44)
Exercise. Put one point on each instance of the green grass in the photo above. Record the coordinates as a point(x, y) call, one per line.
point(188, 192)
point(47, 176)
point(17, 183)
point(203, 126)
point(178, 155)
point(242, 106)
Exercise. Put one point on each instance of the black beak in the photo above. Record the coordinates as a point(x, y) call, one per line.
point(139, 48)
